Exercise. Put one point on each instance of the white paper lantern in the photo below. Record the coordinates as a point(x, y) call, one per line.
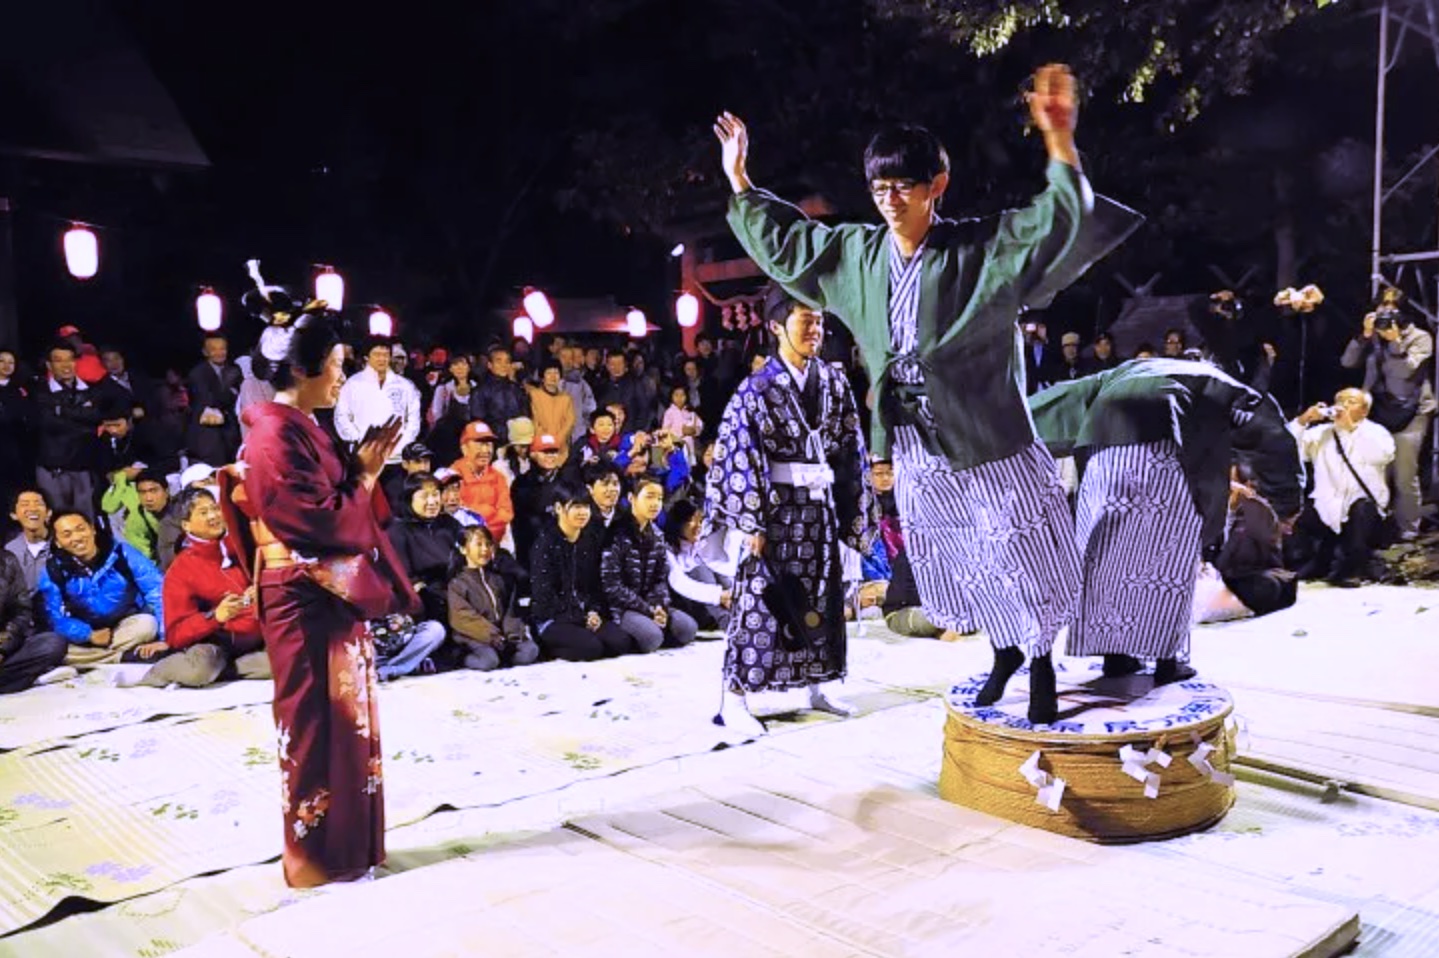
point(687, 309)
point(209, 309)
point(538, 308)
point(524, 328)
point(635, 322)
point(330, 286)
point(82, 252)
point(381, 323)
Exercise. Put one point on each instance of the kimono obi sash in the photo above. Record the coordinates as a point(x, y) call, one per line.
point(353, 579)
point(815, 476)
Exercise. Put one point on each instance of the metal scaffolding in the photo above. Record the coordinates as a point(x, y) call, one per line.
point(1395, 268)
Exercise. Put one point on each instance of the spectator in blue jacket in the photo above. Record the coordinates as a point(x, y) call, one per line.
point(102, 596)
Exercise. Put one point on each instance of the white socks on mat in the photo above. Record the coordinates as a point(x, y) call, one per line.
point(735, 715)
point(821, 702)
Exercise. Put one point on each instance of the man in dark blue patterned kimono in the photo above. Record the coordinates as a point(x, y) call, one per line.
point(788, 484)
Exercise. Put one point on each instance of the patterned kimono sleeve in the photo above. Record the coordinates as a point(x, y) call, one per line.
point(855, 502)
point(737, 486)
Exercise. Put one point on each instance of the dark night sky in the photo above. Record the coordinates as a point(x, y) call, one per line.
point(390, 143)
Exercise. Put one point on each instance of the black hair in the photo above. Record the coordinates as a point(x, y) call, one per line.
point(472, 532)
point(1145, 348)
point(113, 406)
point(61, 343)
point(593, 472)
point(67, 513)
point(155, 476)
point(549, 364)
point(314, 337)
point(777, 304)
point(598, 413)
point(1176, 331)
point(645, 479)
point(373, 343)
point(15, 498)
point(188, 497)
point(416, 481)
point(567, 492)
point(904, 152)
point(679, 516)
point(499, 348)
point(1106, 337)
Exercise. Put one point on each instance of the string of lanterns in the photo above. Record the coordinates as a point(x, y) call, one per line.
point(82, 259)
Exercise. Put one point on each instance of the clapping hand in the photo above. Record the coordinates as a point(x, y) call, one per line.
point(377, 446)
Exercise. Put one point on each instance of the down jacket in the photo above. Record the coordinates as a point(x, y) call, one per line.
point(634, 569)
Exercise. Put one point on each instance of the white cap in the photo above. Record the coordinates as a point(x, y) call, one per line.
point(197, 472)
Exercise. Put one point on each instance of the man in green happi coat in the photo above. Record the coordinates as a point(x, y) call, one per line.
point(933, 305)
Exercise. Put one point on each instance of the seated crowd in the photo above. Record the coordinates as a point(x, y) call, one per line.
point(545, 509)
point(544, 516)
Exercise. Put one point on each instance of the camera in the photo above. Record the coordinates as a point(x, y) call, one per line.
point(1330, 412)
point(1386, 317)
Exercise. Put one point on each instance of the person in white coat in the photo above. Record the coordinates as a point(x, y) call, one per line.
point(1349, 453)
point(374, 396)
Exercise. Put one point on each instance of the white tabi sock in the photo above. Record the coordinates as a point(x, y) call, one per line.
point(821, 702)
point(735, 716)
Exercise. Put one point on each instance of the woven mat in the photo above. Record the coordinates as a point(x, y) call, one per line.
point(1341, 853)
point(789, 866)
point(89, 703)
point(128, 811)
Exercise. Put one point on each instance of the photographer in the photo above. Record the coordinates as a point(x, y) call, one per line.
point(1396, 356)
point(1346, 510)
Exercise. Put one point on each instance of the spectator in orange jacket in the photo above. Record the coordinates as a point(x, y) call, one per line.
point(483, 488)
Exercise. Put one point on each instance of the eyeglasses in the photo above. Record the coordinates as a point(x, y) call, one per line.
point(879, 189)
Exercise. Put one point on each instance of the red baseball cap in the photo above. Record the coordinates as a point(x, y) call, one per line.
point(545, 443)
point(477, 431)
point(68, 331)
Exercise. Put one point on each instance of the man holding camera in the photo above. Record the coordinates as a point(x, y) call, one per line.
point(1396, 355)
point(1346, 510)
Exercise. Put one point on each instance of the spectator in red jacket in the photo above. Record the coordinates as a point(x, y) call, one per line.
point(211, 630)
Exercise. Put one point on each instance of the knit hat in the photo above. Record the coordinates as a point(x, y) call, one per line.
point(521, 431)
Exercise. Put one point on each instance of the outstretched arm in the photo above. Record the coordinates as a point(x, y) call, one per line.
point(803, 256)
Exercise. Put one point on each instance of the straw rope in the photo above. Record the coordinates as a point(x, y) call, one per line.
point(1100, 803)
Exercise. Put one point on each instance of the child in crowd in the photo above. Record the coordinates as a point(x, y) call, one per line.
point(484, 618)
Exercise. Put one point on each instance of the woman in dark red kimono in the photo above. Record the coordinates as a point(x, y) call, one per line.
point(323, 567)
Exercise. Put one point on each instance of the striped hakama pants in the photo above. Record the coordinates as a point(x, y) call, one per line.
point(991, 546)
point(1138, 532)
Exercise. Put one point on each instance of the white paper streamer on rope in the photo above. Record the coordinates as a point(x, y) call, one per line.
point(1239, 733)
point(1199, 758)
point(1133, 762)
point(1049, 788)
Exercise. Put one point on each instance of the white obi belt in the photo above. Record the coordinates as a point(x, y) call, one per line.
point(814, 476)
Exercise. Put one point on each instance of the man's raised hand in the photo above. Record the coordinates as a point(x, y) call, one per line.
point(734, 150)
point(1052, 103)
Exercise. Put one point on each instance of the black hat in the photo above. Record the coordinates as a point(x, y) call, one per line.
point(416, 451)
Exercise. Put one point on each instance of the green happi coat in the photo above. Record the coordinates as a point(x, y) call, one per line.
point(978, 276)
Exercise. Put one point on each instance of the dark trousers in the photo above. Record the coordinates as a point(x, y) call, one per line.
point(575, 643)
point(36, 655)
point(1343, 554)
point(67, 489)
